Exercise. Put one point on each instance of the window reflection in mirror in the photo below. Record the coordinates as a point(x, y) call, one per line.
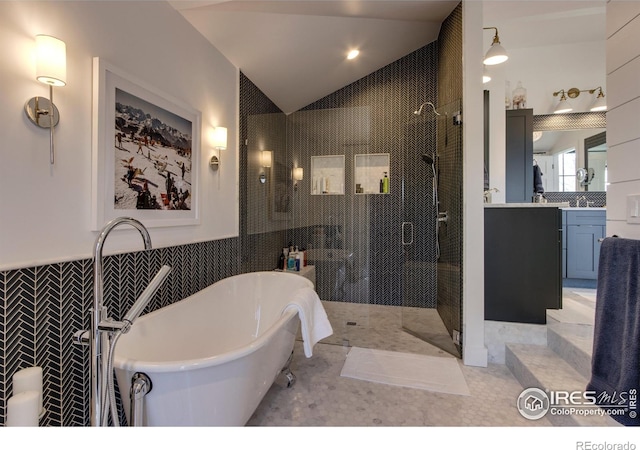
point(567, 171)
point(561, 153)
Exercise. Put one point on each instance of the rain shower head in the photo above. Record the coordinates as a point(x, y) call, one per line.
point(418, 112)
point(427, 158)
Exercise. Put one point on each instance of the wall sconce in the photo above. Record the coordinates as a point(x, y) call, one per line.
point(220, 138)
point(496, 53)
point(219, 142)
point(214, 163)
point(51, 69)
point(563, 105)
point(298, 175)
point(599, 104)
point(266, 158)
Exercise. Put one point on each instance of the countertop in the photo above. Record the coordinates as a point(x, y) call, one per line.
point(565, 206)
point(528, 205)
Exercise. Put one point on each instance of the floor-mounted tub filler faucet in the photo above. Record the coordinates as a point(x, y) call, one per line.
point(105, 332)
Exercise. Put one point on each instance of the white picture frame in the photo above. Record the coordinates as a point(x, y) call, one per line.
point(141, 138)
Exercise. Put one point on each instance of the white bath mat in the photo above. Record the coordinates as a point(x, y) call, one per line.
point(431, 373)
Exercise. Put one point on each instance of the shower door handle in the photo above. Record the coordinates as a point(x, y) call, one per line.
point(404, 234)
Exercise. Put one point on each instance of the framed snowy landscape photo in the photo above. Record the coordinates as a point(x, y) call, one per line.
point(146, 152)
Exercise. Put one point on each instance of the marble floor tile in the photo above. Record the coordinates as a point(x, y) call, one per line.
point(322, 398)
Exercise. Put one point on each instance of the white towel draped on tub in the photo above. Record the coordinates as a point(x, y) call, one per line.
point(313, 318)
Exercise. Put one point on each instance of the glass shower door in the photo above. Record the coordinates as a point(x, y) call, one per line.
point(432, 188)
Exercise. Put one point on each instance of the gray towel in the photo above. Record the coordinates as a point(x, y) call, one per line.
point(615, 363)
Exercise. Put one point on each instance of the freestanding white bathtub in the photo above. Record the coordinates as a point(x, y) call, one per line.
point(213, 356)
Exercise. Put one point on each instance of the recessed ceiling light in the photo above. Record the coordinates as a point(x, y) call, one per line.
point(353, 53)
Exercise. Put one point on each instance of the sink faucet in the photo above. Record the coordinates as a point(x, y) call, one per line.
point(581, 198)
point(487, 194)
point(99, 315)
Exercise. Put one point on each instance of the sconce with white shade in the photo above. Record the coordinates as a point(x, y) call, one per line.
point(563, 106)
point(51, 69)
point(298, 175)
point(266, 159)
point(599, 104)
point(496, 53)
point(219, 142)
point(220, 138)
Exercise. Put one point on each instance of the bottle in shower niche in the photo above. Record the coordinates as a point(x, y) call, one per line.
point(385, 184)
point(281, 261)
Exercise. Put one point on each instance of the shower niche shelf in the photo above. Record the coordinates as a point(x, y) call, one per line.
point(327, 175)
point(370, 171)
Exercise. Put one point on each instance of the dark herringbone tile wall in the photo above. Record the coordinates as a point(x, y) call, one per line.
point(42, 307)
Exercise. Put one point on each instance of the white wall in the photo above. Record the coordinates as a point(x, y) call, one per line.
point(46, 210)
point(474, 351)
point(497, 133)
point(623, 115)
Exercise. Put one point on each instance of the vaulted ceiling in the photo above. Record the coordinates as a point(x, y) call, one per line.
point(295, 50)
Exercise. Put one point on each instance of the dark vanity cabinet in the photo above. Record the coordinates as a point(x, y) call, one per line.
point(519, 156)
point(523, 262)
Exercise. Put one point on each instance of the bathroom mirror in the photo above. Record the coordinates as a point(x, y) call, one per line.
point(595, 161)
point(555, 134)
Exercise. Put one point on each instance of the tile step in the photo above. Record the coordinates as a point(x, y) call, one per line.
point(539, 366)
point(573, 342)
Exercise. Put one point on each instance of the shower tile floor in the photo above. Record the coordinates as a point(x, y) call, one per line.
point(321, 397)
